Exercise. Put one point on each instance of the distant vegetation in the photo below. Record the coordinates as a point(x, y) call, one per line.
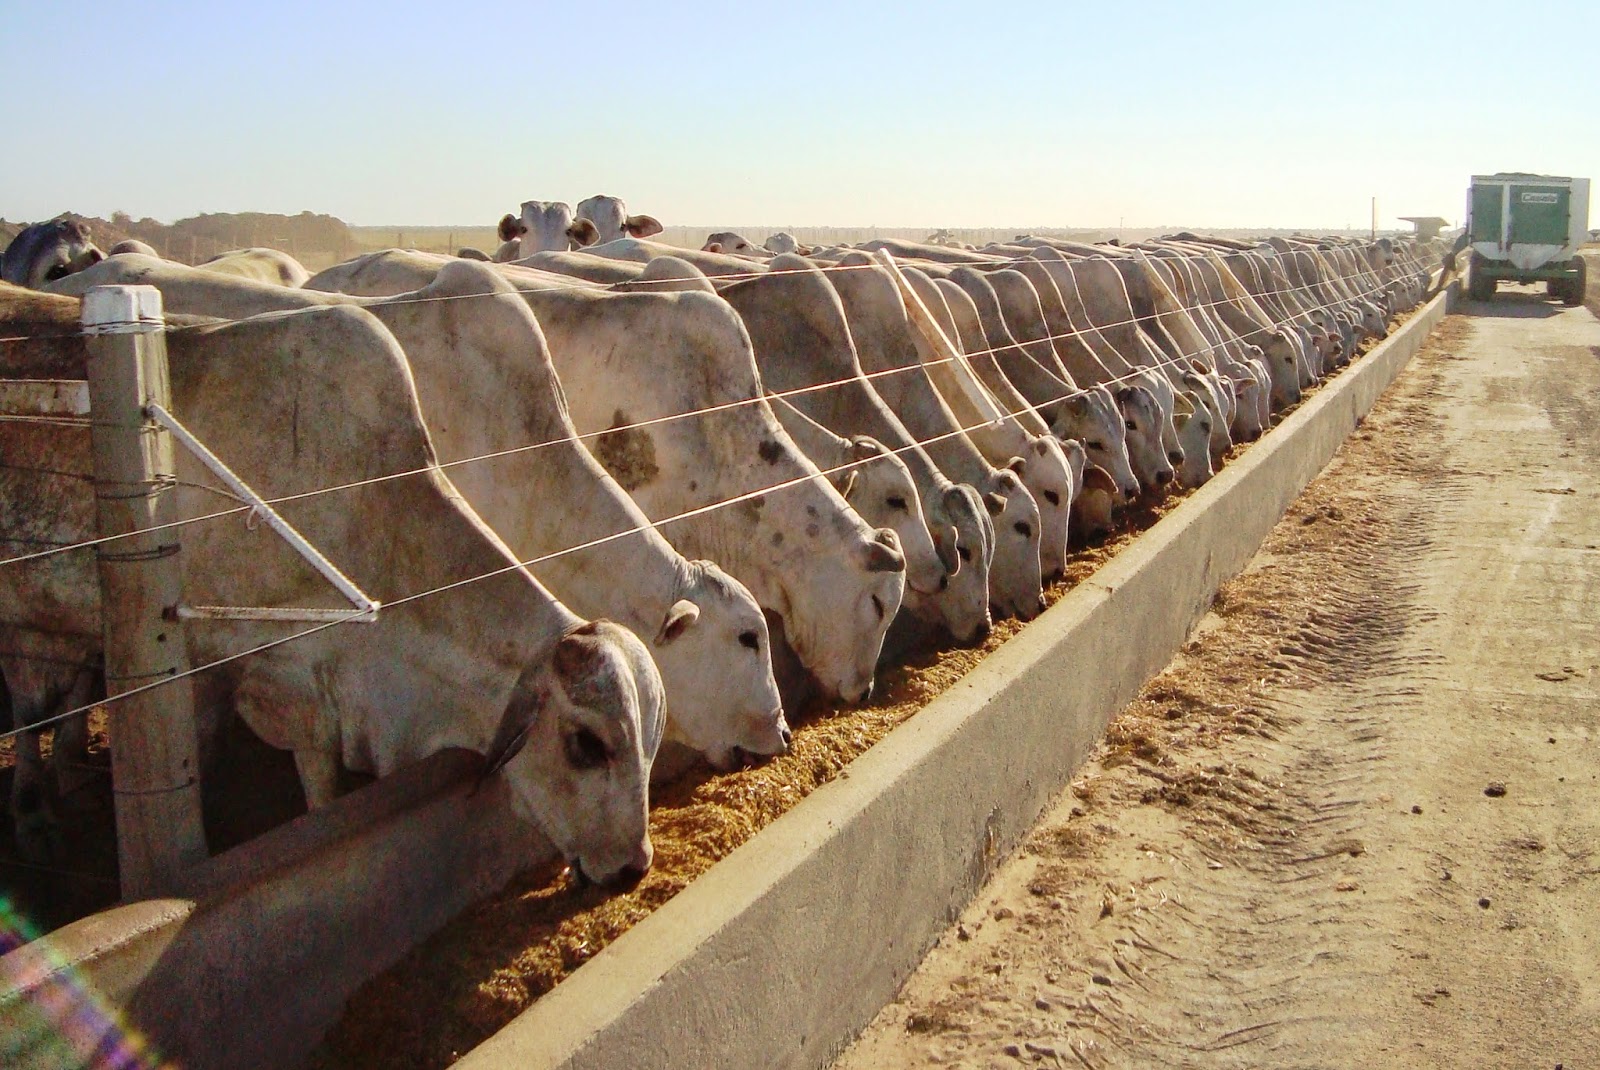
point(307, 236)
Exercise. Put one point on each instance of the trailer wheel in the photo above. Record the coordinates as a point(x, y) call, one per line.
point(1576, 284)
point(1480, 287)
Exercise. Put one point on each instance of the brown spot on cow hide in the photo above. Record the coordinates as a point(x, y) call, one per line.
point(777, 538)
point(813, 530)
point(628, 453)
point(770, 451)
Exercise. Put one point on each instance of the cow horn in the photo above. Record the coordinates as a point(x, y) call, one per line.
point(883, 553)
point(849, 484)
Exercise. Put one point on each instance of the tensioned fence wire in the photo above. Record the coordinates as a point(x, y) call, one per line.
point(519, 565)
point(1092, 330)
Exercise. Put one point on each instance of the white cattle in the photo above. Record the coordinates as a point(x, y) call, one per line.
point(627, 358)
point(131, 245)
point(544, 226)
point(612, 221)
point(468, 650)
point(487, 388)
point(263, 265)
point(714, 265)
point(781, 242)
point(734, 244)
point(1013, 438)
point(47, 251)
point(1074, 408)
point(877, 484)
point(805, 351)
point(886, 343)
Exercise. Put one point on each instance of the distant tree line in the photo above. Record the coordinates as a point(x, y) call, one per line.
point(203, 236)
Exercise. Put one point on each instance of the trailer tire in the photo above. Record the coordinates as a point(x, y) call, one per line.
point(1576, 284)
point(1480, 287)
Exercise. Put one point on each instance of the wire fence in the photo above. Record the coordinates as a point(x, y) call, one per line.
point(1070, 390)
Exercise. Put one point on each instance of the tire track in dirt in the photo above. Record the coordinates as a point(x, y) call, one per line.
point(1245, 875)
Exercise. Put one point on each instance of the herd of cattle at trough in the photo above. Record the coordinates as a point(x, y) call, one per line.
point(602, 485)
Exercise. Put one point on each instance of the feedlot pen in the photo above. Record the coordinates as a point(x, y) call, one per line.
point(1356, 822)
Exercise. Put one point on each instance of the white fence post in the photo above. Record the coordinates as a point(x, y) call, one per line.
point(155, 766)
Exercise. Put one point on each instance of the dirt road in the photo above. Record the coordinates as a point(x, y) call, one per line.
point(1357, 822)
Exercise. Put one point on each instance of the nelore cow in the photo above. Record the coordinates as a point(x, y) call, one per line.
point(47, 251)
point(665, 389)
point(498, 419)
point(468, 651)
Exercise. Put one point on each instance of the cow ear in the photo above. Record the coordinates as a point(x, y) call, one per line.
point(1017, 465)
point(1041, 445)
point(583, 232)
point(946, 542)
point(1124, 394)
point(712, 247)
point(995, 503)
point(1079, 405)
point(1097, 478)
point(864, 448)
point(642, 226)
point(849, 485)
point(679, 618)
point(578, 654)
point(511, 228)
point(528, 699)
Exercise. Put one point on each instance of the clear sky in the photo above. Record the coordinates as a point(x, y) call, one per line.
point(977, 113)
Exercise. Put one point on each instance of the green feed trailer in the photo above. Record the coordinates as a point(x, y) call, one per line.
point(1528, 228)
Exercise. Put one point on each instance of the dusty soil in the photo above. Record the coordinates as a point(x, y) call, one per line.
point(1357, 821)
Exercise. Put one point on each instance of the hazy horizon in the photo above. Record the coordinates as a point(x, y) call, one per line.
point(1238, 114)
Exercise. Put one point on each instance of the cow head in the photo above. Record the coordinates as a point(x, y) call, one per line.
point(728, 241)
point(612, 221)
point(881, 489)
point(1091, 417)
point(576, 742)
point(781, 242)
point(1142, 421)
point(1016, 584)
point(48, 251)
point(716, 663)
point(1043, 470)
point(547, 226)
point(1194, 422)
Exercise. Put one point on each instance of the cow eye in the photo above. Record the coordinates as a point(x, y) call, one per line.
point(877, 603)
point(1052, 497)
point(1096, 445)
point(1023, 528)
point(585, 750)
point(1130, 425)
point(966, 554)
point(750, 639)
point(896, 502)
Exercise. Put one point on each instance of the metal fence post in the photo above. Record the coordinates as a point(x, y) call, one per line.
point(155, 767)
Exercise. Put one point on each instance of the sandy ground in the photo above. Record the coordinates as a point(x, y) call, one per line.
point(1357, 822)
